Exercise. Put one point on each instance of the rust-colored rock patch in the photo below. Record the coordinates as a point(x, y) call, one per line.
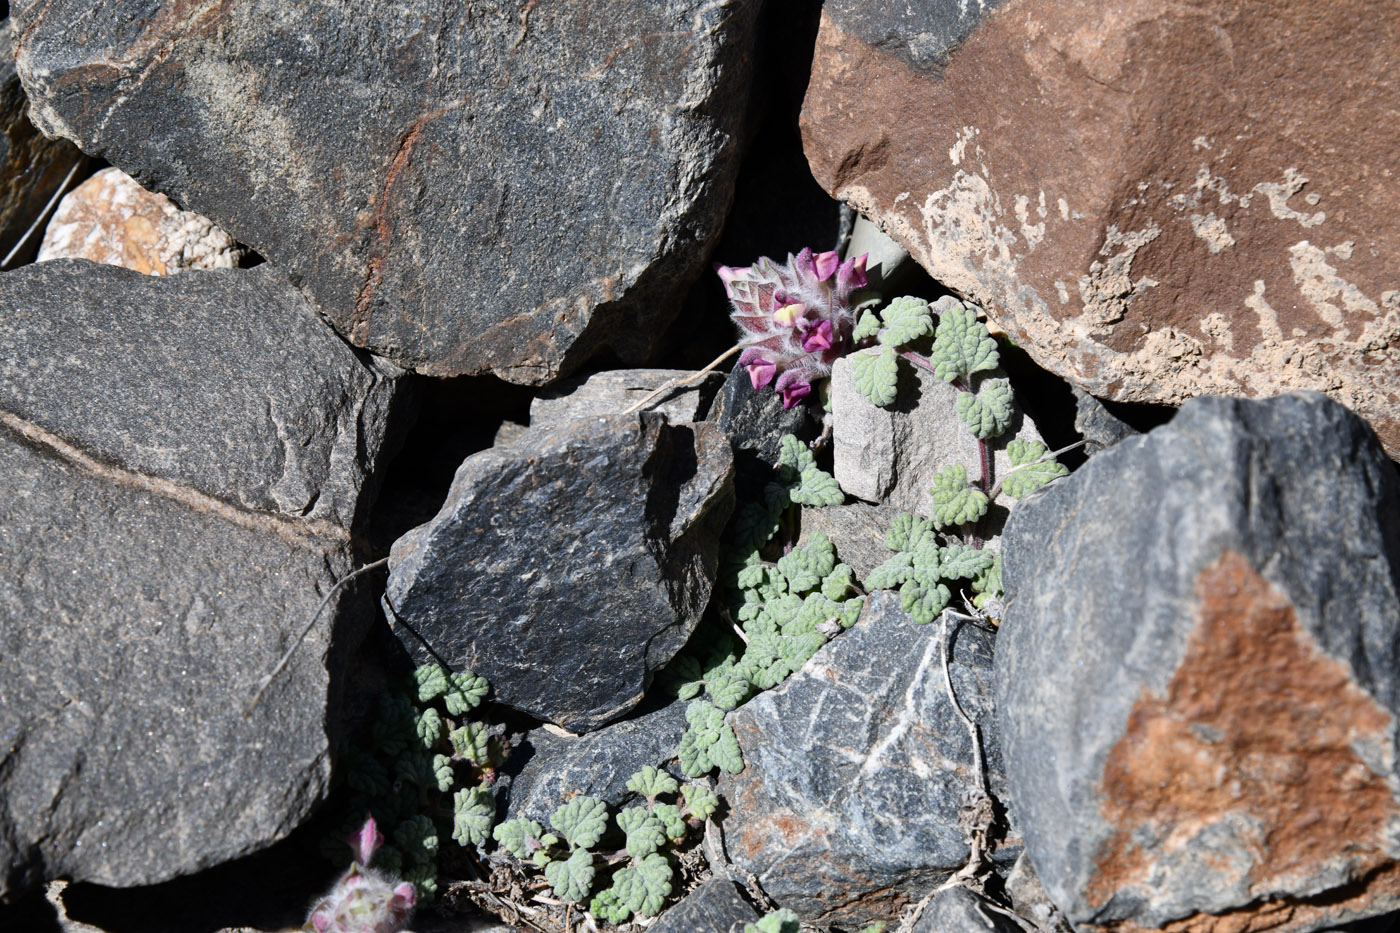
point(1255, 738)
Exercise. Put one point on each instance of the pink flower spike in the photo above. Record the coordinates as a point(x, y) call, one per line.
point(321, 921)
point(761, 373)
point(366, 841)
point(793, 387)
point(826, 264)
point(404, 896)
point(852, 274)
point(789, 315)
point(819, 338)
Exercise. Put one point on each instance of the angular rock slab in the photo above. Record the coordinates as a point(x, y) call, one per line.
point(613, 391)
point(223, 382)
point(847, 808)
point(571, 565)
point(136, 619)
point(1151, 199)
point(716, 906)
point(463, 188)
point(1198, 675)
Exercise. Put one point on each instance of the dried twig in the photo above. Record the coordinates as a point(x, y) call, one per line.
point(693, 377)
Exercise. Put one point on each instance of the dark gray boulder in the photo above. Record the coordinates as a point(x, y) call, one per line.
point(714, 907)
point(959, 910)
point(1198, 677)
point(547, 769)
point(856, 769)
point(222, 382)
point(137, 618)
point(571, 565)
point(462, 188)
point(613, 391)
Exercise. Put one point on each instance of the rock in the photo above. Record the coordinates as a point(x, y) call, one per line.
point(755, 421)
point(611, 392)
point(570, 566)
point(1030, 899)
point(888, 265)
point(1197, 674)
point(556, 767)
point(891, 455)
point(848, 807)
point(111, 219)
point(32, 167)
point(857, 529)
point(1241, 252)
point(138, 616)
point(463, 189)
point(1096, 424)
point(223, 383)
point(713, 907)
point(958, 910)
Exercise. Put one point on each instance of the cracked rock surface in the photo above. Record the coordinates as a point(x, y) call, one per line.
point(1198, 694)
point(570, 566)
point(848, 807)
point(463, 188)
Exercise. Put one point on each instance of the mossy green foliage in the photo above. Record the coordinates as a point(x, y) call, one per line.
point(620, 865)
point(780, 921)
point(423, 770)
point(927, 567)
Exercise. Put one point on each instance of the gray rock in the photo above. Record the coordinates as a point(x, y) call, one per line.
point(611, 392)
point(31, 166)
point(558, 767)
point(221, 382)
point(1096, 424)
point(714, 907)
point(137, 617)
point(891, 455)
point(1030, 899)
point(920, 33)
point(1202, 643)
point(848, 807)
point(958, 910)
point(462, 188)
point(858, 531)
point(570, 566)
point(755, 421)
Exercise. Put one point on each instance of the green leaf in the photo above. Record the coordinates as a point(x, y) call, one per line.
point(670, 816)
point(465, 692)
point(571, 878)
point(987, 413)
point(875, 374)
point(817, 487)
point(783, 921)
point(417, 835)
point(432, 682)
point(923, 603)
point(416, 767)
point(443, 774)
point(908, 533)
point(581, 821)
point(961, 344)
point(805, 567)
point(777, 496)
point(754, 526)
point(838, 584)
point(429, 727)
point(988, 584)
point(645, 833)
point(1031, 475)
point(700, 800)
point(729, 690)
point(651, 783)
point(964, 562)
point(708, 742)
point(954, 501)
point(606, 906)
point(891, 573)
point(867, 327)
point(794, 455)
point(472, 741)
point(645, 884)
point(520, 837)
point(906, 320)
point(422, 877)
point(366, 774)
point(395, 727)
point(473, 812)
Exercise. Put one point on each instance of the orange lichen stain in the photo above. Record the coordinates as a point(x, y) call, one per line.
point(1256, 722)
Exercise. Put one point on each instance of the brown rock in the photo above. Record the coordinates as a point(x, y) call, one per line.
point(112, 220)
point(1157, 201)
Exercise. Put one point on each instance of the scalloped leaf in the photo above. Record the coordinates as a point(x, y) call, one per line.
point(395, 726)
point(923, 603)
point(906, 320)
point(1031, 475)
point(520, 837)
point(472, 741)
point(708, 742)
point(891, 573)
point(988, 413)
point(840, 583)
point(465, 692)
point(867, 327)
point(645, 833)
point(961, 345)
point(988, 584)
point(417, 835)
point(876, 374)
point(817, 488)
point(754, 526)
point(644, 885)
point(571, 878)
point(794, 455)
point(954, 501)
point(473, 812)
point(582, 821)
point(652, 782)
point(429, 727)
point(670, 816)
point(606, 906)
point(729, 691)
point(805, 567)
point(431, 681)
point(909, 533)
point(700, 801)
point(444, 776)
point(964, 562)
point(783, 921)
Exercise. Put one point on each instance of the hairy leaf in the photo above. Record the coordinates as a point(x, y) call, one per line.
point(366, 774)
point(728, 691)
point(804, 567)
point(645, 884)
point(417, 835)
point(838, 584)
point(988, 583)
point(581, 821)
point(754, 526)
point(876, 374)
point(868, 326)
point(645, 833)
point(473, 811)
point(396, 725)
point(964, 562)
point(961, 344)
point(1031, 475)
point(954, 501)
point(891, 573)
point(465, 692)
point(443, 774)
point(520, 837)
point(429, 727)
point(606, 906)
point(670, 816)
point(432, 682)
point(571, 878)
point(908, 533)
point(784, 921)
point(924, 603)
point(906, 320)
point(708, 742)
point(987, 413)
point(700, 800)
point(817, 487)
point(652, 782)
point(472, 741)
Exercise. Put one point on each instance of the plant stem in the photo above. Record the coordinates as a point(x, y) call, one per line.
point(917, 359)
point(693, 377)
